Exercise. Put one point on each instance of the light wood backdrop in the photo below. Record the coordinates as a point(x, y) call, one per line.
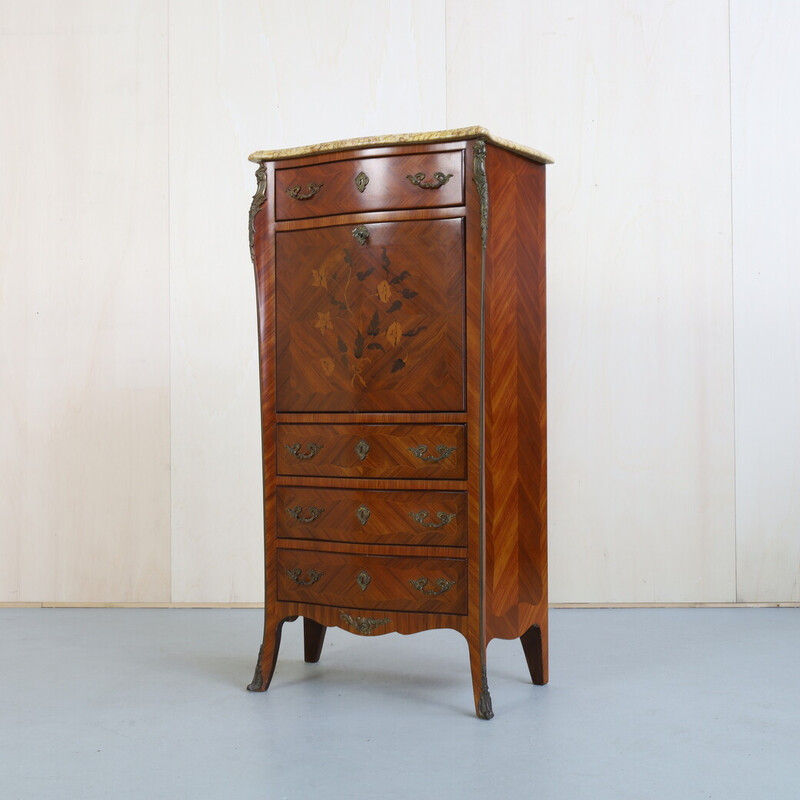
point(129, 430)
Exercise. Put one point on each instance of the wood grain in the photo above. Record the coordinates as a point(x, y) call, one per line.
point(372, 582)
point(516, 397)
point(377, 517)
point(342, 546)
point(389, 453)
point(387, 186)
point(377, 326)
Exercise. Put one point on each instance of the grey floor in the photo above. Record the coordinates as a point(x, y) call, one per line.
point(642, 704)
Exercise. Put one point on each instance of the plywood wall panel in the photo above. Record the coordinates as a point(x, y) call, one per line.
point(631, 99)
point(765, 81)
point(84, 411)
point(243, 77)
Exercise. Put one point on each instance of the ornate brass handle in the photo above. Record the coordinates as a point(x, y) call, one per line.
point(362, 448)
point(442, 449)
point(362, 512)
point(363, 625)
point(421, 516)
point(295, 192)
point(443, 584)
point(361, 234)
point(439, 180)
point(294, 449)
point(313, 513)
point(313, 576)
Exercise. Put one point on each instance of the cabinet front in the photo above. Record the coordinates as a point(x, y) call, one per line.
point(371, 317)
point(385, 582)
point(372, 517)
point(434, 452)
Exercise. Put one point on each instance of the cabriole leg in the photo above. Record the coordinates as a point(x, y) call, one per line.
point(267, 657)
point(480, 687)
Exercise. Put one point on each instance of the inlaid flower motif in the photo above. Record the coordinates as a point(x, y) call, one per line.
point(384, 291)
point(319, 277)
point(361, 337)
point(394, 333)
point(324, 321)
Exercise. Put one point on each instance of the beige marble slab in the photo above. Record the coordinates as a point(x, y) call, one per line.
point(429, 137)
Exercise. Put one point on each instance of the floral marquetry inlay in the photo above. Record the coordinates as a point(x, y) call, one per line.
point(363, 319)
point(359, 336)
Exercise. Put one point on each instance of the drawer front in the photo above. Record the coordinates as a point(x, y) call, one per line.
point(373, 582)
point(373, 451)
point(372, 517)
point(385, 183)
point(371, 324)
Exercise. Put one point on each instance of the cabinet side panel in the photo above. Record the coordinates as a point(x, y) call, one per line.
point(264, 263)
point(515, 397)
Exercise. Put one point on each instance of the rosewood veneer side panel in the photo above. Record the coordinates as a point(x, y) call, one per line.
point(263, 253)
point(515, 397)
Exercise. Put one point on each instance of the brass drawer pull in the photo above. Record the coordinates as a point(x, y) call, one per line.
point(361, 234)
point(364, 625)
point(439, 180)
point(442, 449)
point(363, 580)
point(362, 179)
point(362, 448)
point(443, 584)
point(313, 576)
point(362, 512)
point(421, 516)
point(295, 192)
point(294, 449)
point(314, 513)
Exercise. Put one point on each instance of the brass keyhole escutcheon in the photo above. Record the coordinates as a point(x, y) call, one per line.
point(362, 448)
point(361, 234)
point(362, 179)
point(363, 580)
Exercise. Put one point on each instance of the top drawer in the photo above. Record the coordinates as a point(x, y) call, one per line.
point(387, 183)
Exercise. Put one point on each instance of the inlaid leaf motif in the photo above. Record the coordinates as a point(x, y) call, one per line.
point(394, 333)
point(373, 329)
point(358, 368)
point(324, 321)
point(384, 291)
point(401, 277)
point(415, 331)
point(362, 328)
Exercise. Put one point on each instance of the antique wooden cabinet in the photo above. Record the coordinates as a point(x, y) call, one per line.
point(401, 315)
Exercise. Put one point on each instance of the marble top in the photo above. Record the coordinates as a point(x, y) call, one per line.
point(455, 134)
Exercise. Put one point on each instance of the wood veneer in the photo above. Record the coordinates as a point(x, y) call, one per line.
point(473, 383)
